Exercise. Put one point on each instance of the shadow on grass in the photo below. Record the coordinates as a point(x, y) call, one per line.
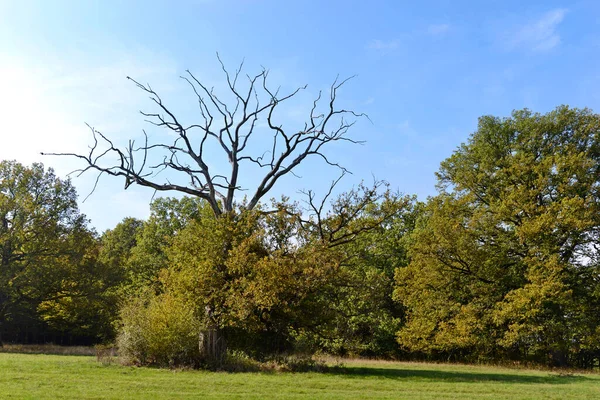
point(454, 376)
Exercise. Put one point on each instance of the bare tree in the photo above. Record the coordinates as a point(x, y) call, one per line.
point(230, 126)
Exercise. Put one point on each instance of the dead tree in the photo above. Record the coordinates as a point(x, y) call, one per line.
point(232, 128)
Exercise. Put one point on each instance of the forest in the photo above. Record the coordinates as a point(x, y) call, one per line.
point(503, 264)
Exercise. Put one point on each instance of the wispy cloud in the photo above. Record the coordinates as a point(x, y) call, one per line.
point(438, 29)
point(385, 46)
point(382, 44)
point(369, 100)
point(540, 34)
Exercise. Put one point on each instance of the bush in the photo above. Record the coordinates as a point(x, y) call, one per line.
point(159, 330)
point(238, 361)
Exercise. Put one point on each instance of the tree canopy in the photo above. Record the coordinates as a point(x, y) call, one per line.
point(506, 259)
point(48, 255)
point(502, 264)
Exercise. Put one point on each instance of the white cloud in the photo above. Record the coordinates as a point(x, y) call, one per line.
point(438, 29)
point(539, 35)
point(385, 46)
point(382, 44)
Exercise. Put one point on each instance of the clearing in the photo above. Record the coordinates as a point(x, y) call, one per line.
point(37, 376)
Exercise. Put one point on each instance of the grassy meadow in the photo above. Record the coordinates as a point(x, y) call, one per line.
point(39, 376)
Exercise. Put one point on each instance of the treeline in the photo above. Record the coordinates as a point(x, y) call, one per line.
point(503, 264)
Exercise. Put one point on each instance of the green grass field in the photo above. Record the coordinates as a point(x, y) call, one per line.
point(31, 376)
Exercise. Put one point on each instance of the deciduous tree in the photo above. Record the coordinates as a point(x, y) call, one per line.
point(47, 253)
point(506, 261)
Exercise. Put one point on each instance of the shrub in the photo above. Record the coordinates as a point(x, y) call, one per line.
point(159, 330)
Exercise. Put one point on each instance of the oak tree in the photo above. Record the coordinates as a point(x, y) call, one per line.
point(506, 261)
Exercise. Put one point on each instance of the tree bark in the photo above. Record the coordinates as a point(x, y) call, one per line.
point(213, 346)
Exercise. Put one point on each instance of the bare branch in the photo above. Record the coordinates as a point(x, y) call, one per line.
point(231, 127)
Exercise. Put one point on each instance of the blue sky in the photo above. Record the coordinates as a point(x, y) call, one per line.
point(425, 72)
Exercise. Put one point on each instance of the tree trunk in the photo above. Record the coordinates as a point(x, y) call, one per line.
point(558, 358)
point(213, 347)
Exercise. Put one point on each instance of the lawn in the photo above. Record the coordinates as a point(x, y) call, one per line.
point(31, 376)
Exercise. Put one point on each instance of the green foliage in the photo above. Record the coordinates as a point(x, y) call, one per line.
point(158, 330)
point(117, 245)
point(274, 282)
point(505, 262)
point(502, 264)
point(47, 256)
point(85, 306)
point(168, 216)
point(136, 250)
point(366, 318)
point(226, 268)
